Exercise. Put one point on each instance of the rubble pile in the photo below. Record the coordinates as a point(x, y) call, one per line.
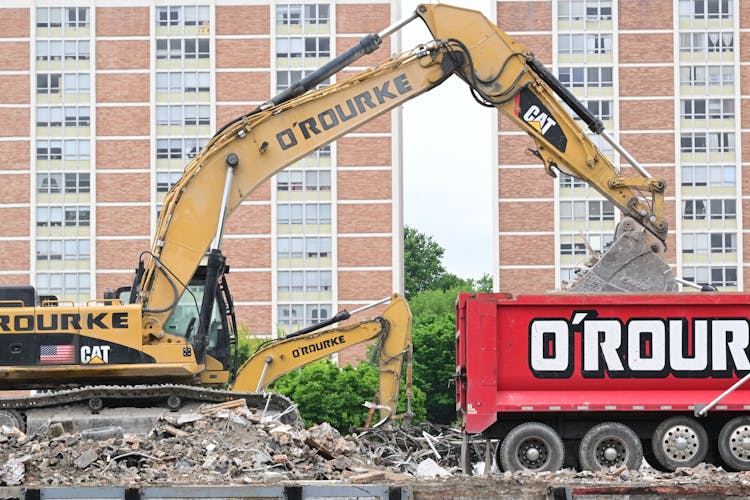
point(219, 444)
point(436, 448)
point(227, 444)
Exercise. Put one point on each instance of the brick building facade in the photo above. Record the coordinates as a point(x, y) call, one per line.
point(105, 101)
point(671, 82)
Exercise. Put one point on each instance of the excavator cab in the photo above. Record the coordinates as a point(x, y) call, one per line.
point(222, 328)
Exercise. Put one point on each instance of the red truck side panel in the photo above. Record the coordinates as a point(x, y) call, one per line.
point(618, 352)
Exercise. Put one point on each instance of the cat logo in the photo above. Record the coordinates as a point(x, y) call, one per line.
point(95, 355)
point(538, 119)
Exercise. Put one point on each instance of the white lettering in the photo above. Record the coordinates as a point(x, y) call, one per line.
point(699, 360)
point(592, 346)
point(550, 355)
point(655, 359)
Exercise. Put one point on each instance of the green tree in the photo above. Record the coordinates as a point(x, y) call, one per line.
point(422, 262)
point(434, 336)
point(326, 393)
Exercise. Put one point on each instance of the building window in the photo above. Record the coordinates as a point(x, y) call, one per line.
point(165, 180)
point(701, 109)
point(591, 10)
point(311, 247)
point(183, 115)
point(720, 176)
point(289, 180)
point(291, 314)
point(177, 82)
point(715, 41)
point(706, 75)
point(181, 148)
point(77, 216)
point(591, 210)
point(188, 48)
point(63, 250)
point(77, 182)
point(715, 209)
point(76, 83)
point(714, 275)
point(317, 281)
point(600, 210)
point(586, 77)
point(577, 43)
point(296, 14)
point(571, 245)
point(49, 117)
point(706, 9)
point(48, 150)
point(73, 182)
point(318, 213)
point(48, 83)
point(56, 50)
point(308, 180)
point(304, 281)
point(309, 213)
point(49, 216)
point(568, 181)
point(309, 46)
point(63, 283)
point(298, 314)
point(68, 149)
point(75, 17)
point(290, 281)
point(75, 149)
point(707, 142)
point(188, 15)
point(600, 109)
point(705, 243)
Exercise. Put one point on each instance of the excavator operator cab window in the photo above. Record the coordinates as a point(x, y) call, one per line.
point(187, 311)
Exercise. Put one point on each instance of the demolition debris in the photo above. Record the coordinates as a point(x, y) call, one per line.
point(228, 444)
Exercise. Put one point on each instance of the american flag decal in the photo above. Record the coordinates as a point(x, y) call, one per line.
point(61, 354)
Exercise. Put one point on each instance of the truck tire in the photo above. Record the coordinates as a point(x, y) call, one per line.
point(532, 446)
point(679, 442)
point(734, 444)
point(610, 444)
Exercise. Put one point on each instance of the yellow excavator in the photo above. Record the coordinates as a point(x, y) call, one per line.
point(167, 340)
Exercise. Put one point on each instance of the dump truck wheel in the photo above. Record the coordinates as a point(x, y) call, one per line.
point(734, 444)
point(679, 442)
point(610, 444)
point(532, 446)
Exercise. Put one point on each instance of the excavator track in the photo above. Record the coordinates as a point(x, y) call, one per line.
point(81, 406)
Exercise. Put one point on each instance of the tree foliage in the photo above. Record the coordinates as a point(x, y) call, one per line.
point(434, 331)
point(327, 393)
point(422, 262)
point(434, 361)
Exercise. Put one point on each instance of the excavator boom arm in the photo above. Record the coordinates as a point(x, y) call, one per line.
point(503, 73)
point(247, 152)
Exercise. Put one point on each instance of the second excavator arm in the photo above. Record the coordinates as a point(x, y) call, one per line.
point(392, 353)
point(248, 151)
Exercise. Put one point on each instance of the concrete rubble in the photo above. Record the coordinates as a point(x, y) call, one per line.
point(228, 444)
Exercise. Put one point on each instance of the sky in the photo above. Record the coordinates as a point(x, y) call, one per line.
point(447, 149)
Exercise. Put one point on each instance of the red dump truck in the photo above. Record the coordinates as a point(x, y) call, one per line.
point(596, 381)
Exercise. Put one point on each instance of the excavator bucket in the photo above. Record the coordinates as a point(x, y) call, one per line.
point(630, 264)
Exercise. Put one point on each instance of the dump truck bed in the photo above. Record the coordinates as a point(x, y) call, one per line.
point(599, 353)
